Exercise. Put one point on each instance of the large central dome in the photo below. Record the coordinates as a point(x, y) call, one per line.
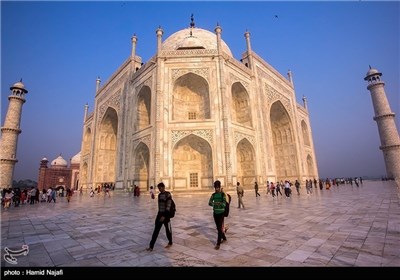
point(193, 38)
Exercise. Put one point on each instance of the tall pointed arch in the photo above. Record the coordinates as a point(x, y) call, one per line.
point(84, 174)
point(106, 145)
point(141, 166)
point(284, 145)
point(192, 163)
point(305, 133)
point(246, 163)
point(241, 108)
point(191, 98)
point(310, 167)
point(86, 141)
point(143, 112)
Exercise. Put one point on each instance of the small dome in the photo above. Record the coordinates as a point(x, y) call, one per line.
point(19, 85)
point(194, 38)
point(76, 159)
point(373, 71)
point(60, 162)
point(44, 158)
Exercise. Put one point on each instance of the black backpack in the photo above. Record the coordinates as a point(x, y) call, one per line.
point(228, 202)
point(173, 209)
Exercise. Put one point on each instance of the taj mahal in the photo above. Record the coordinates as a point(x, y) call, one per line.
point(193, 114)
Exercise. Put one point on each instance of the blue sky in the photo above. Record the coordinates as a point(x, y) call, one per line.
point(59, 49)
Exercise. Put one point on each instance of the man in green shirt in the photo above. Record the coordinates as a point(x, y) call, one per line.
point(218, 202)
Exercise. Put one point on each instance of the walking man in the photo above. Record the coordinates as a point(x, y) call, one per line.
point(256, 189)
point(240, 194)
point(163, 217)
point(218, 202)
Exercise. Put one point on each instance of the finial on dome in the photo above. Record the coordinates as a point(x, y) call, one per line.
point(20, 80)
point(191, 25)
point(370, 67)
point(191, 21)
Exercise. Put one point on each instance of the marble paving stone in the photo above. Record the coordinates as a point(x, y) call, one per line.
point(342, 227)
point(299, 255)
point(61, 257)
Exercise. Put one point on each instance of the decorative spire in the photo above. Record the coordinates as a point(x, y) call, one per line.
point(192, 21)
point(304, 102)
point(289, 73)
point(98, 83)
point(369, 66)
point(191, 25)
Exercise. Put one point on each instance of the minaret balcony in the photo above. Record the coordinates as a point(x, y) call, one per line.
point(18, 97)
point(10, 129)
point(372, 84)
point(385, 116)
point(389, 147)
point(9, 160)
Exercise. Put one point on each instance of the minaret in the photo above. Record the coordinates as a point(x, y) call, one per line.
point(9, 134)
point(42, 173)
point(249, 51)
point(385, 118)
point(304, 102)
point(133, 52)
point(85, 113)
point(290, 76)
point(159, 33)
point(98, 81)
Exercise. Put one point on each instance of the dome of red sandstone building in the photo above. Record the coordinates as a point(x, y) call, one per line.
point(59, 162)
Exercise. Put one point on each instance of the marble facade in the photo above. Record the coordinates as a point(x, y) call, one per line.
point(193, 114)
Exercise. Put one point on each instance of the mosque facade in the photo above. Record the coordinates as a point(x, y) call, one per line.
point(59, 174)
point(193, 114)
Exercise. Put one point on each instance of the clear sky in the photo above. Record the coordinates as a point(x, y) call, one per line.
point(59, 49)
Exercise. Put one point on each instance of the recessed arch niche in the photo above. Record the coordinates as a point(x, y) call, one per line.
point(241, 109)
point(141, 166)
point(192, 163)
point(143, 112)
point(246, 163)
point(105, 163)
point(283, 142)
point(191, 98)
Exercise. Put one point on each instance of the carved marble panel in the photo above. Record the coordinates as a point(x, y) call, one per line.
point(273, 95)
point(113, 102)
point(203, 72)
point(239, 136)
point(145, 139)
point(233, 79)
point(206, 134)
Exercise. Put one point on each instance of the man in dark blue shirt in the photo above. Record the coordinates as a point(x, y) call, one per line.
point(163, 217)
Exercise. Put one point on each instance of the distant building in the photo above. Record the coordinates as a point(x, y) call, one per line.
point(59, 174)
point(193, 114)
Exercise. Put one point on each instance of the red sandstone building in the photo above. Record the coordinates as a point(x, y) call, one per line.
point(59, 174)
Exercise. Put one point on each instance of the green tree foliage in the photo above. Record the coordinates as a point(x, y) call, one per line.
point(22, 184)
